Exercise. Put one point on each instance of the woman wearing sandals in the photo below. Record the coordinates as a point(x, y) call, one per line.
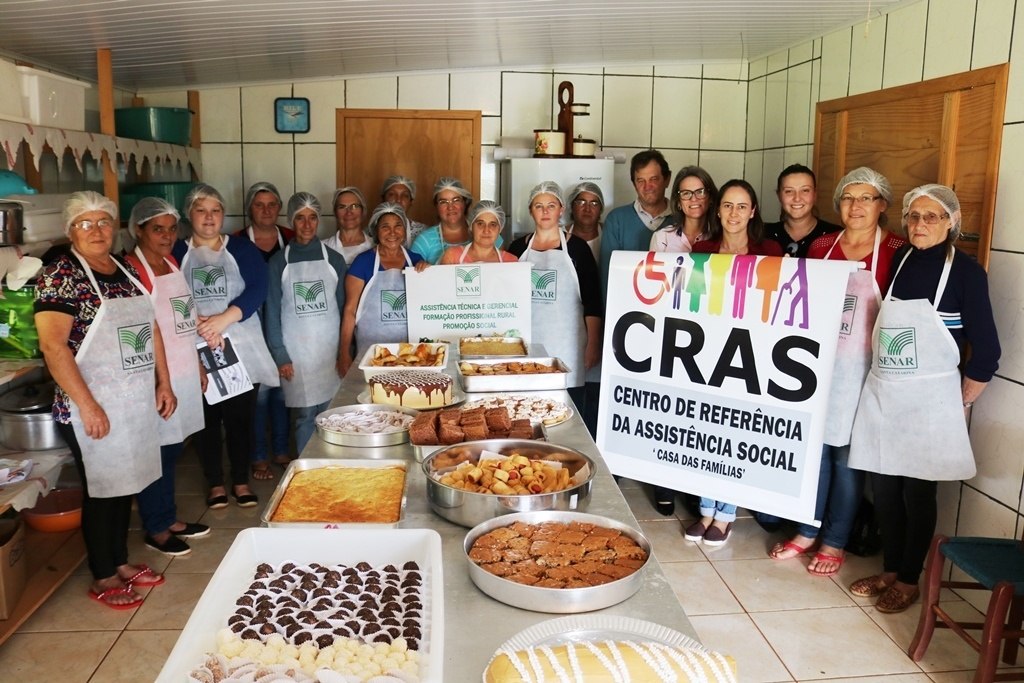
point(101, 342)
point(861, 198)
point(911, 429)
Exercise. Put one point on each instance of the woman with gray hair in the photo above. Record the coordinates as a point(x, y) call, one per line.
point(375, 303)
point(910, 431)
point(486, 221)
point(154, 226)
point(228, 279)
point(349, 208)
point(305, 298)
point(101, 342)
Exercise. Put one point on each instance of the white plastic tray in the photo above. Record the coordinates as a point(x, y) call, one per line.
point(326, 546)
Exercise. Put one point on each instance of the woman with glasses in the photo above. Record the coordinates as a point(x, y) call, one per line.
point(351, 239)
point(566, 296)
point(910, 431)
point(693, 195)
point(452, 201)
point(375, 302)
point(486, 221)
point(861, 198)
point(798, 226)
point(586, 204)
point(102, 344)
point(737, 229)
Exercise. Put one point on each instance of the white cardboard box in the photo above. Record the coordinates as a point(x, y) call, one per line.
point(53, 101)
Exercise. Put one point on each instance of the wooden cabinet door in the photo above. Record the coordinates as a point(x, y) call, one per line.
point(422, 144)
point(946, 130)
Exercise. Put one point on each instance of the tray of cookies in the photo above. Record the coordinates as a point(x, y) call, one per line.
point(556, 561)
point(521, 374)
point(328, 493)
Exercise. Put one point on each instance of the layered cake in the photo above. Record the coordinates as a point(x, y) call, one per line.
point(412, 389)
point(607, 662)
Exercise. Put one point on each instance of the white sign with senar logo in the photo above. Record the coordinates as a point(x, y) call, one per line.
point(716, 374)
point(469, 299)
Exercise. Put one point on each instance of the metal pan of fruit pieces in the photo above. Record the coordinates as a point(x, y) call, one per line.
point(380, 358)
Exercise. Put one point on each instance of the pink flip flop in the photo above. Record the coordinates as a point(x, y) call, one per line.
point(144, 578)
point(790, 546)
point(822, 557)
point(102, 598)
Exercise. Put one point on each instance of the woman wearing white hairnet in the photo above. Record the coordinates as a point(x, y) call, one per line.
point(566, 295)
point(486, 221)
point(586, 204)
point(910, 431)
point(101, 342)
point(351, 239)
point(228, 279)
point(452, 201)
point(375, 303)
point(154, 226)
point(305, 298)
point(398, 189)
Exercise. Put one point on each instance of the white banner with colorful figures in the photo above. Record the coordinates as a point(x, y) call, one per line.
point(716, 373)
point(466, 300)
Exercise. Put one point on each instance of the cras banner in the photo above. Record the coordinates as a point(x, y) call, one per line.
point(716, 373)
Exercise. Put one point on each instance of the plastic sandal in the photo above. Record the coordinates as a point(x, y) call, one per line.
point(102, 598)
point(261, 472)
point(144, 578)
point(790, 546)
point(821, 558)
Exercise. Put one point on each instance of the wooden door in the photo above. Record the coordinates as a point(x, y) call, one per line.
point(422, 144)
point(946, 130)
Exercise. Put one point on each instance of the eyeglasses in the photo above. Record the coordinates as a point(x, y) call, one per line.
point(454, 201)
point(691, 194)
point(103, 224)
point(348, 207)
point(546, 207)
point(863, 200)
point(928, 218)
point(592, 203)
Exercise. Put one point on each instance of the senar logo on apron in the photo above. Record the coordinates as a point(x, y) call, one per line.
point(897, 348)
point(849, 312)
point(468, 281)
point(310, 297)
point(136, 343)
point(184, 310)
point(392, 305)
point(545, 285)
point(209, 282)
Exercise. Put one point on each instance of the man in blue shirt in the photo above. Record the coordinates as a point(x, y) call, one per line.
point(629, 226)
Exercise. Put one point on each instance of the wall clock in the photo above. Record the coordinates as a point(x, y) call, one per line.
point(291, 115)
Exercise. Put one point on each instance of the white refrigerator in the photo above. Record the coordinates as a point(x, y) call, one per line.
point(519, 176)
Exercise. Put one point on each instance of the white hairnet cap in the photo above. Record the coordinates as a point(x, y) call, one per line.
point(487, 206)
point(398, 180)
point(351, 189)
point(255, 189)
point(148, 208)
point(383, 209)
point(302, 200)
point(863, 176)
point(84, 202)
point(453, 184)
point(546, 187)
point(200, 192)
point(944, 196)
point(587, 186)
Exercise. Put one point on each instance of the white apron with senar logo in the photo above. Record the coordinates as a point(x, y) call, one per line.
point(176, 316)
point(557, 308)
point(853, 352)
point(311, 326)
point(381, 316)
point(216, 281)
point(910, 420)
point(117, 362)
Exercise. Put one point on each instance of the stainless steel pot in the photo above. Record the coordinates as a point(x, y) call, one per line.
point(26, 423)
point(12, 220)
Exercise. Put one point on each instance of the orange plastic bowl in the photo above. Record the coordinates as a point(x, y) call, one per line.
point(60, 510)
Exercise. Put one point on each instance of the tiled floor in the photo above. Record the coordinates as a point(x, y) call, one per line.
point(780, 623)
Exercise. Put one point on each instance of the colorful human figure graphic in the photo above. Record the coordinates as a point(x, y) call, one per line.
point(678, 275)
point(769, 270)
point(652, 269)
point(696, 286)
point(798, 294)
point(741, 279)
point(719, 265)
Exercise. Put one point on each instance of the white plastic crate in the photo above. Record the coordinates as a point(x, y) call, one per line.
point(52, 100)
